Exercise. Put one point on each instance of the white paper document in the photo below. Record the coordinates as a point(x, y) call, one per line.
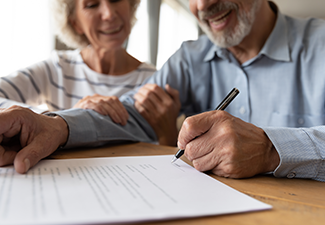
point(112, 190)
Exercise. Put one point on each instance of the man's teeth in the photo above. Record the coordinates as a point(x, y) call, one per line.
point(219, 19)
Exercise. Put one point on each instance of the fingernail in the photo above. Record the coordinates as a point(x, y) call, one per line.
point(27, 164)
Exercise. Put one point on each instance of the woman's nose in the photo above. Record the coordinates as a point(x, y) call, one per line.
point(107, 11)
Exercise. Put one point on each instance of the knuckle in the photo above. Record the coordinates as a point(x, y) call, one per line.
point(228, 169)
point(114, 98)
point(136, 96)
point(149, 94)
point(88, 101)
point(189, 153)
point(15, 107)
point(109, 100)
point(155, 87)
point(162, 112)
point(169, 103)
point(102, 101)
point(144, 101)
point(34, 155)
point(188, 123)
point(227, 131)
point(138, 101)
point(141, 110)
point(232, 171)
point(197, 165)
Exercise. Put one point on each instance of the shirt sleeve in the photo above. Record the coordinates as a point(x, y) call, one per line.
point(89, 128)
point(301, 151)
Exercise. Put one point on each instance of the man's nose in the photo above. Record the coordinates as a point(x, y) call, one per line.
point(205, 4)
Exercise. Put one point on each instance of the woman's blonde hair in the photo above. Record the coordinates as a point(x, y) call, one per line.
point(62, 10)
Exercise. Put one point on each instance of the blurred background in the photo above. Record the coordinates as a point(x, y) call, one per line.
point(26, 29)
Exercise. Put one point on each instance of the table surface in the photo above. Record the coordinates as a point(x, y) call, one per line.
point(294, 201)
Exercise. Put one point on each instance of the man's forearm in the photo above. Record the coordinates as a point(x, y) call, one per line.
point(88, 128)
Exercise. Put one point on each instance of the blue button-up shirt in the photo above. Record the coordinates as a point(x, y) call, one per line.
point(281, 91)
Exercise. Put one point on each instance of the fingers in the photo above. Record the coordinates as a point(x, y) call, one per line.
point(145, 106)
point(160, 108)
point(39, 137)
point(32, 154)
point(105, 105)
point(156, 100)
point(206, 162)
point(148, 103)
point(9, 127)
point(35, 136)
point(6, 157)
point(172, 92)
point(202, 148)
point(227, 146)
point(112, 107)
point(195, 126)
point(142, 110)
point(150, 97)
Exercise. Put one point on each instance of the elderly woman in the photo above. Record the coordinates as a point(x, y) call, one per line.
point(100, 65)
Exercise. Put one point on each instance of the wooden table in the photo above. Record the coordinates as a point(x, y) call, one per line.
point(294, 201)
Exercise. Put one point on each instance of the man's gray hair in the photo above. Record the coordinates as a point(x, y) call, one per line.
point(62, 10)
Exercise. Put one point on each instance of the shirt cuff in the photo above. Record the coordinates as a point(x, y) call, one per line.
point(298, 154)
point(77, 123)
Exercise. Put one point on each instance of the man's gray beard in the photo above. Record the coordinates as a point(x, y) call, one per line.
point(233, 37)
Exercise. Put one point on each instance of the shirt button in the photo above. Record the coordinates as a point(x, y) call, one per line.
point(242, 110)
point(301, 121)
point(291, 175)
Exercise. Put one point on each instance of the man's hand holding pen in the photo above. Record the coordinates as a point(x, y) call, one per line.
point(226, 145)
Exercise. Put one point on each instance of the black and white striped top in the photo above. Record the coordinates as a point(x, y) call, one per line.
point(62, 80)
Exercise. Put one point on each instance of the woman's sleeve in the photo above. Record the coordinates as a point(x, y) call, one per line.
point(24, 87)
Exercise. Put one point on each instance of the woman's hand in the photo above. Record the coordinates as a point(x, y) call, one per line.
point(160, 108)
point(105, 105)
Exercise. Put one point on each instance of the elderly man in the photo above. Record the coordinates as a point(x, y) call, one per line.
point(275, 125)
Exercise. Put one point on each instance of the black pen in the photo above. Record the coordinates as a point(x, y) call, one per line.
point(234, 92)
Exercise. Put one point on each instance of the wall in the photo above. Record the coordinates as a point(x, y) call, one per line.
point(302, 8)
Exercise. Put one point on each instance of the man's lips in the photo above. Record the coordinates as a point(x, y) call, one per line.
point(220, 18)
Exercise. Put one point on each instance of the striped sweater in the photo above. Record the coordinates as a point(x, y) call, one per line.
point(62, 80)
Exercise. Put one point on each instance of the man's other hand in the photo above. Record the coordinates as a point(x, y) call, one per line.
point(27, 137)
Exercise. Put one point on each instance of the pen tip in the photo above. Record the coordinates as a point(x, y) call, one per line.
point(173, 160)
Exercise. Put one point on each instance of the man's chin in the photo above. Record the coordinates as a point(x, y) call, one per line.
point(226, 39)
point(219, 39)
point(222, 41)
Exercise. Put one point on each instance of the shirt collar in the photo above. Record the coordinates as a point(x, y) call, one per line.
point(276, 46)
point(216, 51)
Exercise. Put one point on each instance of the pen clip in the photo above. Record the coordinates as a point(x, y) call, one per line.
point(232, 94)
